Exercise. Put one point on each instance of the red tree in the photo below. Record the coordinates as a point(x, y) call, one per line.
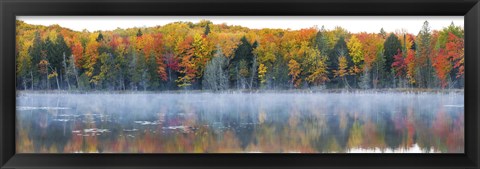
point(443, 66)
point(158, 52)
point(455, 50)
point(77, 51)
point(399, 64)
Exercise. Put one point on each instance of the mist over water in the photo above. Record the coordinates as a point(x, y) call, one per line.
point(233, 123)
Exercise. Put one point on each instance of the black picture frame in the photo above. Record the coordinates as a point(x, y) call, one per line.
point(11, 8)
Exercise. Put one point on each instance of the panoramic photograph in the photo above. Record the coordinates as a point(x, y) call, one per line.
point(240, 84)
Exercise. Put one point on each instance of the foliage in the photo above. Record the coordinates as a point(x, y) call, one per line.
point(178, 55)
point(391, 46)
point(294, 68)
point(215, 76)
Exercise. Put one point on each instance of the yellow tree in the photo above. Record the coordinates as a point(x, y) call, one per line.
point(228, 42)
point(24, 60)
point(187, 64)
point(202, 54)
point(175, 33)
point(294, 72)
point(320, 73)
point(355, 49)
point(315, 67)
point(91, 56)
point(262, 71)
point(342, 71)
point(145, 45)
point(267, 48)
point(372, 46)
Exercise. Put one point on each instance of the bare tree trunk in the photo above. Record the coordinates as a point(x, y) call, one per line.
point(346, 82)
point(24, 84)
point(61, 77)
point(169, 74)
point(48, 85)
point(76, 79)
point(123, 83)
point(237, 81)
point(65, 68)
point(375, 78)
point(56, 77)
point(254, 71)
point(31, 78)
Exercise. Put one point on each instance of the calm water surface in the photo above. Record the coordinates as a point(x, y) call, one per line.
point(235, 123)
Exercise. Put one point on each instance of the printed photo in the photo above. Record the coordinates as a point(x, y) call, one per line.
point(240, 84)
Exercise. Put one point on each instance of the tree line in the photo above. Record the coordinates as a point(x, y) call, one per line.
point(203, 55)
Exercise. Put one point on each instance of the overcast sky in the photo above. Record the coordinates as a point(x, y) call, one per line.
point(353, 24)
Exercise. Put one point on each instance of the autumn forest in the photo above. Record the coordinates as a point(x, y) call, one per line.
point(217, 57)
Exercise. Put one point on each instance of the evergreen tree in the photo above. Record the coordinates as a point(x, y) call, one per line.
point(241, 64)
point(424, 71)
point(207, 30)
point(383, 33)
point(99, 37)
point(321, 41)
point(36, 55)
point(340, 49)
point(391, 46)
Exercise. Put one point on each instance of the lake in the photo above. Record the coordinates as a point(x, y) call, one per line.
point(240, 123)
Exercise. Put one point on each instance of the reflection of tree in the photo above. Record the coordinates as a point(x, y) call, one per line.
point(441, 129)
point(24, 143)
point(267, 138)
point(372, 137)
point(245, 131)
point(297, 126)
point(456, 137)
point(333, 131)
point(333, 146)
point(356, 135)
point(410, 140)
point(393, 136)
point(76, 141)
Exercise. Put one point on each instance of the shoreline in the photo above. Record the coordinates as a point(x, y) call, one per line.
point(246, 91)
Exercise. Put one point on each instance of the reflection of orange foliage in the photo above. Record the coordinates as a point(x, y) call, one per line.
point(267, 140)
point(228, 144)
point(202, 143)
point(76, 142)
point(148, 144)
point(91, 144)
point(410, 128)
point(372, 137)
point(455, 138)
point(74, 145)
point(24, 143)
point(440, 125)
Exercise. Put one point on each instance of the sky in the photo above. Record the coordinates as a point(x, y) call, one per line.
point(354, 24)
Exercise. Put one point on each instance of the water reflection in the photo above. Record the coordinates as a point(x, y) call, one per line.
point(231, 123)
